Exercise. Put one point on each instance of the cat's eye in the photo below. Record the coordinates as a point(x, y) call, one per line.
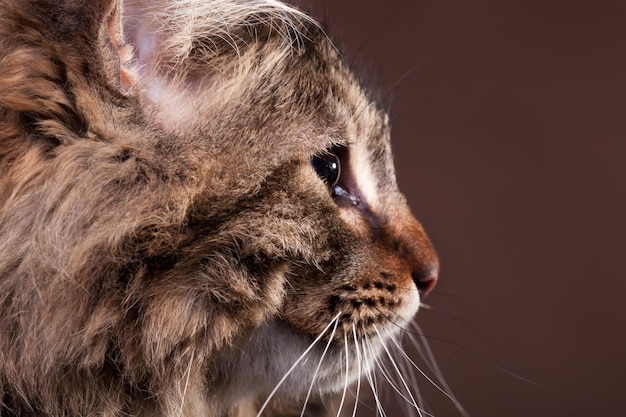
point(328, 168)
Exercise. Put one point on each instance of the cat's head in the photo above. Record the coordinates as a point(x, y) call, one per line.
point(201, 209)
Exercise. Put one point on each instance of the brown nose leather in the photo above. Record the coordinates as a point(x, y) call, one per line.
point(425, 279)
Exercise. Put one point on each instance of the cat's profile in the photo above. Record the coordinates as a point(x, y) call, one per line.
point(192, 195)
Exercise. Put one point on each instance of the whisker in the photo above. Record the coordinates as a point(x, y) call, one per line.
point(426, 352)
point(345, 384)
point(489, 341)
point(489, 362)
point(447, 391)
point(296, 363)
point(371, 378)
point(408, 373)
point(407, 73)
point(418, 332)
point(464, 323)
point(392, 383)
point(384, 25)
point(390, 380)
point(359, 359)
point(308, 394)
point(429, 359)
point(393, 363)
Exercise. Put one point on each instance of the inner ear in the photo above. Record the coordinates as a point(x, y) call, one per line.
point(114, 52)
point(121, 52)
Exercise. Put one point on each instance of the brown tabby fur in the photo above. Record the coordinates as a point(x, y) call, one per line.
point(150, 249)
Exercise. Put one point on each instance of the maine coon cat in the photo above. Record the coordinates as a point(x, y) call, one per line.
point(192, 195)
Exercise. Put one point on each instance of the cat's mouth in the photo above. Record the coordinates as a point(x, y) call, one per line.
point(287, 361)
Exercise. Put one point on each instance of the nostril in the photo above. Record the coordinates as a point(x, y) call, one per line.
point(425, 279)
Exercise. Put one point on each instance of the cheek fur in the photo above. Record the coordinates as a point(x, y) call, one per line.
point(377, 292)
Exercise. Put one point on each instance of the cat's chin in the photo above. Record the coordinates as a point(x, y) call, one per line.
point(278, 361)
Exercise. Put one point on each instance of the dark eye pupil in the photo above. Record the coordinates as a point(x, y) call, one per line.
point(327, 167)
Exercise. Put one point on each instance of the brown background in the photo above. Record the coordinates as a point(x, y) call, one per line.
point(509, 136)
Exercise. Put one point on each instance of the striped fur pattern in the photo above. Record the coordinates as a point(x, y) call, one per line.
point(166, 246)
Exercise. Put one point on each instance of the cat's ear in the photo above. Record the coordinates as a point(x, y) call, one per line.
point(230, 68)
point(91, 34)
point(55, 55)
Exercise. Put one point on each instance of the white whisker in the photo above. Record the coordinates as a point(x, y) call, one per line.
point(296, 363)
point(371, 376)
point(308, 395)
point(345, 384)
point(359, 359)
point(408, 373)
point(454, 400)
point(423, 348)
point(419, 411)
point(426, 352)
point(389, 378)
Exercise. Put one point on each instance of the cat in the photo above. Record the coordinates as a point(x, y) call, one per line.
point(198, 212)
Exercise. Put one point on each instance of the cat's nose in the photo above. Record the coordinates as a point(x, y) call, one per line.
point(415, 248)
point(425, 278)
